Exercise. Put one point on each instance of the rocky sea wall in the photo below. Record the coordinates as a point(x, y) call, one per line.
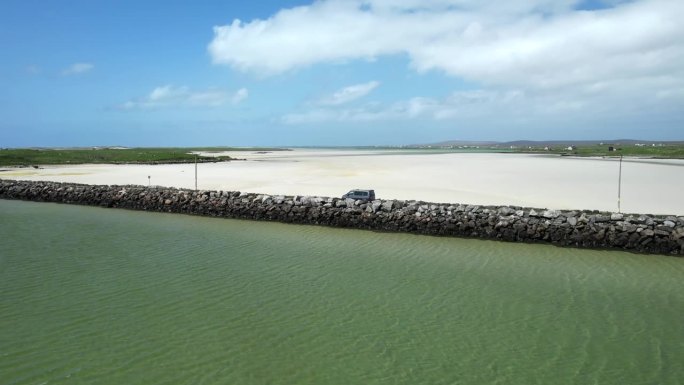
point(589, 229)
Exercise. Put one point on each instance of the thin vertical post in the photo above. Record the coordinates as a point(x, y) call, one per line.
point(619, 183)
point(195, 172)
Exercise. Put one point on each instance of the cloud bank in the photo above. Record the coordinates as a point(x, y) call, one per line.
point(548, 59)
point(530, 43)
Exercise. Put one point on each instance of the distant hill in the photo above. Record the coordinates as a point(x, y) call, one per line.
point(543, 143)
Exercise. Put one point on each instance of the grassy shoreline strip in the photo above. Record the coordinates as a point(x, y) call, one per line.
point(29, 157)
point(49, 156)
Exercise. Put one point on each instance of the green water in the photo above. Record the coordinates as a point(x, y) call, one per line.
point(103, 296)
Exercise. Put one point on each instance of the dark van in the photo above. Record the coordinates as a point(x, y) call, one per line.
point(367, 195)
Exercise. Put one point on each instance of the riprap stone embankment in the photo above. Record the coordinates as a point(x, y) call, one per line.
point(590, 229)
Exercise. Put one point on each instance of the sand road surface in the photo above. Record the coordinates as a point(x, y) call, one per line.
point(648, 185)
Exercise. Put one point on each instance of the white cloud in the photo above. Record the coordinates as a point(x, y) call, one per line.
point(519, 43)
point(172, 96)
point(77, 68)
point(166, 92)
point(350, 93)
point(239, 96)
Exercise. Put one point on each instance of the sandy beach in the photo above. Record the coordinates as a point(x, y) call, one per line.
point(648, 186)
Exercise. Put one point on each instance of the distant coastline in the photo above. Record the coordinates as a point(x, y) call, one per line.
point(580, 148)
point(26, 157)
point(628, 148)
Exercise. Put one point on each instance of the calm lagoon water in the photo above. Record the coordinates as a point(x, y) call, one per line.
point(102, 296)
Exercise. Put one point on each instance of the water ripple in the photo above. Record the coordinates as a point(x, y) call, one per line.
point(95, 296)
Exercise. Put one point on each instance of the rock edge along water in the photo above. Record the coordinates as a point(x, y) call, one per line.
point(589, 229)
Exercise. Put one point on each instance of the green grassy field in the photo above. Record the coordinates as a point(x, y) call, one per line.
point(30, 157)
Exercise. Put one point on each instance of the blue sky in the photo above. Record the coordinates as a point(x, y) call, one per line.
point(338, 72)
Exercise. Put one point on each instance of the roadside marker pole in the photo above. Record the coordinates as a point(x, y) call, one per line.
point(619, 183)
point(195, 172)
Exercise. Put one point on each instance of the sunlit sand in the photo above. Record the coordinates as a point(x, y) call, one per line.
point(648, 186)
